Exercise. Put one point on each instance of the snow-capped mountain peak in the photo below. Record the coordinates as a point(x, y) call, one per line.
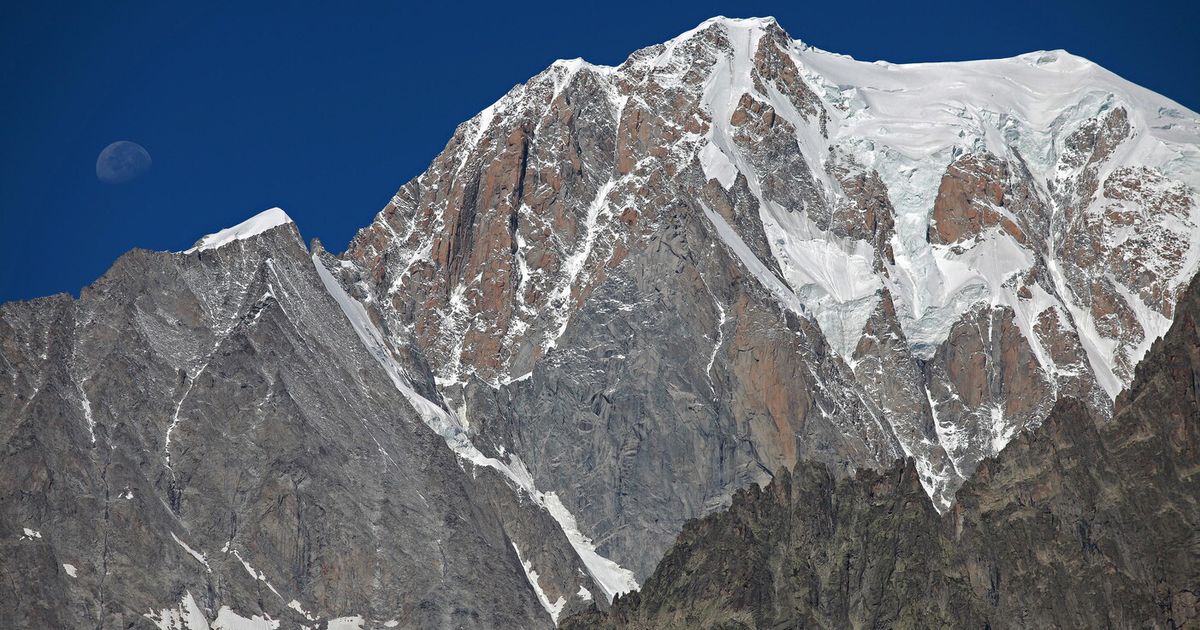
point(1038, 202)
point(257, 224)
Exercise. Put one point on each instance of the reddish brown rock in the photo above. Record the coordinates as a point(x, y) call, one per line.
point(867, 213)
point(971, 199)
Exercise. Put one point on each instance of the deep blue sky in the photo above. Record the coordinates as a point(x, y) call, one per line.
point(325, 113)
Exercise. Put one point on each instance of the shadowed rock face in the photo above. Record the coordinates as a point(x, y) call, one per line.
point(1082, 522)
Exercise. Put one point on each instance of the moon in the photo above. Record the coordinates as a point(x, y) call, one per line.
point(122, 161)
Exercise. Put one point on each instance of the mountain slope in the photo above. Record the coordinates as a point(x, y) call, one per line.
point(203, 437)
point(661, 281)
point(1082, 522)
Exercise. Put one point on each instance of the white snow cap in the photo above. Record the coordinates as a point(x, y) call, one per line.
point(256, 224)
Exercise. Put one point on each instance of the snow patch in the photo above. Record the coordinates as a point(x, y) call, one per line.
point(70, 569)
point(86, 404)
point(255, 225)
point(561, 295)
point(717, 165)
point(192, 552)
point(1002, 432)
point(1098, 349)
point(554, 609)
point(1154, 325)
point(298, 607)
point(373, 339)
point(765, 277)
point(612, 577)
point(482, 122)
point(227, 619)
point(947, 433)
point(832, 277)
point(257, 575)
point(353, 622)
point(186, 616)
point(720, 336)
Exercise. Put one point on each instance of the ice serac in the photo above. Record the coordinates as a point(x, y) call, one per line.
point(661, 281)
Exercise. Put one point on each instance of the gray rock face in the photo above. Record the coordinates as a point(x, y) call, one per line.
point(205, 432)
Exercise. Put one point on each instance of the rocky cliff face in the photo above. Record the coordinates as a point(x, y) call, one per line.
point(659, 282)
point(619, 295)
point(1083, 522)
point(205, 437)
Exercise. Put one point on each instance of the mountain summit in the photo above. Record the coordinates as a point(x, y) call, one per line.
point(960, 243)
point(618, 296)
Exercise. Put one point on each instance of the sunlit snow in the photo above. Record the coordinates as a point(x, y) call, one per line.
point(253, 226)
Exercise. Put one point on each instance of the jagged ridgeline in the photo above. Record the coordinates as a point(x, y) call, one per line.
point(617, 297)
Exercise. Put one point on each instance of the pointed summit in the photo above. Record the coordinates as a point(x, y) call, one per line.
point(256, 224)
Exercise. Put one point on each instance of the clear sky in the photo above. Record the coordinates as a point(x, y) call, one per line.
point(326, 112)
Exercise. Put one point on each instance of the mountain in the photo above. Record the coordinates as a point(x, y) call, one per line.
point(1084, 522)
point(210, 436)
point(666, 280)
point(617, 297)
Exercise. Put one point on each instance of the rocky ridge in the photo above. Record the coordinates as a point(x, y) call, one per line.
point(213, 438)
